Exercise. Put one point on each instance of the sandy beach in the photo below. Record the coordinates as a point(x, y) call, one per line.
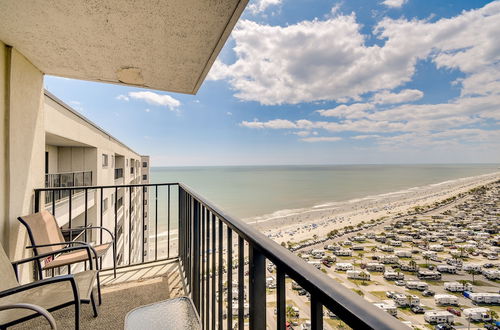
point(301, 224)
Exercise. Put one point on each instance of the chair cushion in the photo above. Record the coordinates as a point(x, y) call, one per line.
point(49, 296)
point(77, 256)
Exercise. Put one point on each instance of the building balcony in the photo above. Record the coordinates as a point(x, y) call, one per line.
point(118, 173)
point(193, 248)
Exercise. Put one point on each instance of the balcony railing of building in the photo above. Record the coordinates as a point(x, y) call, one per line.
point(118, 173)
point(223, 260)
point(66, 179)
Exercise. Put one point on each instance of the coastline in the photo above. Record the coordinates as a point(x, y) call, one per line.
point(302, 224)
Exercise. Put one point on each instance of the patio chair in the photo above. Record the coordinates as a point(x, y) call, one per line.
point(49, 294)
point(46, 236)
point(40, 310)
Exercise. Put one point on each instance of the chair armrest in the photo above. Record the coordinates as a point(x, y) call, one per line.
point(39, 310)
point(82, 246)
point(92, 227)
point(46, 281)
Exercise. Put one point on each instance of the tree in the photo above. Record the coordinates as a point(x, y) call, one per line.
point(413, 264)
point(472, 272)
point(461, 249)
point(290, 313)
point(493, 314)
point(426, 258)
point(361, 255)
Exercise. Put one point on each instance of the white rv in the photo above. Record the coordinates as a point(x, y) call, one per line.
point(417, 285)
point(318, 254)
point(478, 314)
point(358, 275)
point(315, 263)
point(389, 259)
point(492, 274)
point(446, 299)
point(246, 308)
point(447, 269)
point(485, 298)
point(403, 254)
point(434, 317)
point(457, 287)
point(344, 266)
point(343, 253)
point(389, 308)
point(436, 247)
point(375, 267)
point(392, 275)
point(470, 266)
point(386, 248)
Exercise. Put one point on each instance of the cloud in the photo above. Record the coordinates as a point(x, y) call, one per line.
point(365, 137)
point(406, 95)
point(229, 113)
point(122, 97)
point(147, 110)
point(156, 99)
point(394, 3)
point(334, 63)
point(356, 110)
point(322, 139)
point(273, 124)
point(259, 6)
point(302, 133)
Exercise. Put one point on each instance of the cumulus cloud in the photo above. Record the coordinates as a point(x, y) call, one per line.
point(406, 95)
point(156, 99)
point(335, 63)
point(259, 6)
point(122, 97)
point(322, 139)
point(394, 3)
point(356, 110)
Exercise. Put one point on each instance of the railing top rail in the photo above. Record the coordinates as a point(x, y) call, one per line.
point(108, 186)
point(351, 307)
point(58, 173)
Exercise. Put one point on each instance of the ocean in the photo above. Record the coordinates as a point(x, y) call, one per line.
point(251, 191)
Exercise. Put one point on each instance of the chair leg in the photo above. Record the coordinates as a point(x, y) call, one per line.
point(94, 307)
point(99, 289)
point(77, 315)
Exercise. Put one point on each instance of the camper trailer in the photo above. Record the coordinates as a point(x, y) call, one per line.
point(471, 266)
point(434, 317)
point(318, 254)
point(344, 266)
point(315, 263)
point(386, 248)
point(447, 269)
point(446, 299)
point(478, 314)
point(358, 275)
point(389, 308)
point(375, 267)
point(429, 275)
point(484, 298)
point(492, 274)
point(246, 308)
point(403, 254)
point(389, 259)
point(417, 285)
point(436, 247)
point(403, 300)
point(343, 253)
point(391, 275)
point(457, 287)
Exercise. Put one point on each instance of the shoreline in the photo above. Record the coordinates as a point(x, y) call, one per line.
point(303, 224)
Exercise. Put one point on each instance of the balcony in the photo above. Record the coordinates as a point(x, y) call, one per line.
point(220, 262)
point(118, 173)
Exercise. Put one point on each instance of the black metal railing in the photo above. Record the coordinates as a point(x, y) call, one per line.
point(206, 237)
point(66, 179)
point(128, 215)
point(118, 173)
point(218, 254)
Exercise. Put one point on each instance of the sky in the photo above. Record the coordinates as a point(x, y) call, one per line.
point(324, 82)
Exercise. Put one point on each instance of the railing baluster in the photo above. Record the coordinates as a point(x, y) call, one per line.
point(280, 299)
point(70, 205)
point(195, 292)
point(168, 223)
point(241, 283)
point(156, 222)
point(100, 217)
point(207, 271)
point(212, 272)
point(229, 278)
point(143, 214)
point(130, 225)
point(54, 203)
point(116, 218)
point(257, 289)
point(316, 313)
point(202, 295)
point(85, 216)
point(220, 272)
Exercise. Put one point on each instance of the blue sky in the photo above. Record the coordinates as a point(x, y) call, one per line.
point(324, 82)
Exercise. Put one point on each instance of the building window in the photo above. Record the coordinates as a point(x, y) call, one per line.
point(105, 205)
point(104, 160)
point(144, 177)
point(144, 164)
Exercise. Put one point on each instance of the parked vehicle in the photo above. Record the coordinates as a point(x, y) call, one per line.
point(454, 311)
point(428, 293)
point(418, 309)
point(400, 283)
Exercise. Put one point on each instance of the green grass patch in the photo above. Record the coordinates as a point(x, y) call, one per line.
point(337, 324)
point(359, 292)
point(379, 294)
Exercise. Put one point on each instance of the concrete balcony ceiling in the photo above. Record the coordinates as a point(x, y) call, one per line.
point(165, 45)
